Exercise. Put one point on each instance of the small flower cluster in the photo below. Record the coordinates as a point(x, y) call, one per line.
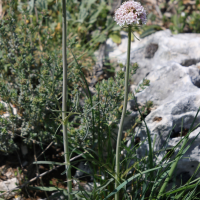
point(130, 12)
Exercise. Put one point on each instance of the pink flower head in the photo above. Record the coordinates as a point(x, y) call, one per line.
point(130, 12)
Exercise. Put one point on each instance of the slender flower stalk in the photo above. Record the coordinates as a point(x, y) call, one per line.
point(117, 165)
point(64, 102)
point(129, 13)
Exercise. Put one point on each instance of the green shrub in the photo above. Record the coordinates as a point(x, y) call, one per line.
point(31, 73)
point(30, 80)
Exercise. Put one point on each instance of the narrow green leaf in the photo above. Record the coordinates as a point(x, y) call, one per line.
point(65, 171)
point(133, 166)
point(130, 179)
point(48, 163)
point(193, 192)
point(49, 189)
point(105, 185)
point(182, 188)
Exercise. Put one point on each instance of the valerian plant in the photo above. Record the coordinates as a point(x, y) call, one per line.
point(130, 13)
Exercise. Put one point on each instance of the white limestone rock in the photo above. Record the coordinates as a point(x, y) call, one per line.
point(114, 51)
point(8, 185)
point(171, 63)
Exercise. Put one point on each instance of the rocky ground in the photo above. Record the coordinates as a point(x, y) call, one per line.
point(172, 65)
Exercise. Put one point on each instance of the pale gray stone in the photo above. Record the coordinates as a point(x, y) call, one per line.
point(171, 63)
point(8, 185)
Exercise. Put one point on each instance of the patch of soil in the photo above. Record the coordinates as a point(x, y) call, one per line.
point(21, 167)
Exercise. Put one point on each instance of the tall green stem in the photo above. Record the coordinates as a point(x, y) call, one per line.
point(64, 101)
point(118, 147)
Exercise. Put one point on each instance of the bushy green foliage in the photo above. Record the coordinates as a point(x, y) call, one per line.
point(30, 80)
point(193, 21)
point(107, 105)
point(185, 19)
point(31, 72)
